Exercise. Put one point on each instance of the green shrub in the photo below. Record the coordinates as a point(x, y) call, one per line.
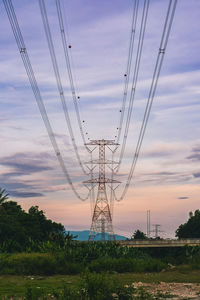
point(28, 263)
point(96, 286)
point(33, 293)
point(59, 263)
point(37, 264)
point(122, 265)
point(66, 266)
point(125, 292)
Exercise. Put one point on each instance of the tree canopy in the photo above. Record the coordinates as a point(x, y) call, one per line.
point(190, 229)
point(19, 228)
point(139, 235)
point(3, 195)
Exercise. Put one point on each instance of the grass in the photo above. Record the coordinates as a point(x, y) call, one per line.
point(171, 276)
point(11, 285)
point(15, 285)
point(63, 263)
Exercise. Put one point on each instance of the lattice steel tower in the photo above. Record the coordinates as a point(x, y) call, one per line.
point(102, 217)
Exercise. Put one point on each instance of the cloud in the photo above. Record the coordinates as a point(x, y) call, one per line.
point(26, 163)
point(163, 173)
point(195, 156)
point(99, 34)
point(162, 178)
point(25, 194)
point(196, 175)
point(183, 197)
point(17, 166)
point(10, 184)
point(24, 173)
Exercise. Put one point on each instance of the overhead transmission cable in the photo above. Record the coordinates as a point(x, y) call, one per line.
point(58, 79)
point(156, 74)
point(64, 9)
point(31, 76)
point(128, 68)
point(135, 78)
point(69, 70)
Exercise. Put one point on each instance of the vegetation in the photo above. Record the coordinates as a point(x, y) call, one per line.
point(87, 285)
point(33, 246)
point(61, 262)
point(80, 257)
point(190, 229)
point(20, 230)
point(139, 235)
point(33, 287)
point(3, 195)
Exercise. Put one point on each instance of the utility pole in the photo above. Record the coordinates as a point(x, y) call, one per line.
point(102, 217)
point(148, 223)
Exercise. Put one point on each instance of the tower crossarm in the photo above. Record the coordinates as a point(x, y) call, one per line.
point(102, 142)
point(100, 162)
point(97, 180)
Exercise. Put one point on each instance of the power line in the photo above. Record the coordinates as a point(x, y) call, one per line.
point(64, 9)
point(135, 77)
point(69, 70)
point(128, 68)
point(30, 73)
point(58, 79)
point(156, 74)
point(36, 91)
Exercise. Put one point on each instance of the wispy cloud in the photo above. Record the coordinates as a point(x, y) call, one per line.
point(99, 35)
point(25, 164)
point(25, 194)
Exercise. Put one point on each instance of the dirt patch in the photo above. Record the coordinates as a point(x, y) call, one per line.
point(172, 290)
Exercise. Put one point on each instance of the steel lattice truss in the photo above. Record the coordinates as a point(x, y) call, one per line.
point(102, 218)
point(102, 211)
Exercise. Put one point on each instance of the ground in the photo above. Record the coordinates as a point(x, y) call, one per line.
point(172, 290)
point(178, 284)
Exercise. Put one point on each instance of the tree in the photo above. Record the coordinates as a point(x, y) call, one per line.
point(3, 195)
point(139, 235)
point(190, 229)
point(19, 229)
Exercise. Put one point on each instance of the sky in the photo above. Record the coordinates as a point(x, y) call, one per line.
point(166, 178)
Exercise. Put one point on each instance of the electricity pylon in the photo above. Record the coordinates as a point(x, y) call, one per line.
point(102, 217)
point(156, 230)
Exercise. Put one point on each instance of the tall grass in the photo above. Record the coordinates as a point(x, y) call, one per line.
point(97, 257)
point(50, 264)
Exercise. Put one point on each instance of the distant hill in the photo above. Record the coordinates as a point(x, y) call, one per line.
point(83, 236)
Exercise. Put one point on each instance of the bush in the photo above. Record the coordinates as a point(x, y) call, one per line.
point(38, 264)
point(122, 265)
point(32, 293)
point(49, 264)
point(28, 263)
point(96, 286)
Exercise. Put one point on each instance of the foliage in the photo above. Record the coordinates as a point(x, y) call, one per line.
point(91, 287)
point(58, 263)
point(32, 244)
point(33, 293)
point(14, 287)
point(139, 235)
point(125, 292)
point(20, 230)
point(123, 264)
point(3, 196)
point(190, 229)
point(96, 286)
point(37, 263)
